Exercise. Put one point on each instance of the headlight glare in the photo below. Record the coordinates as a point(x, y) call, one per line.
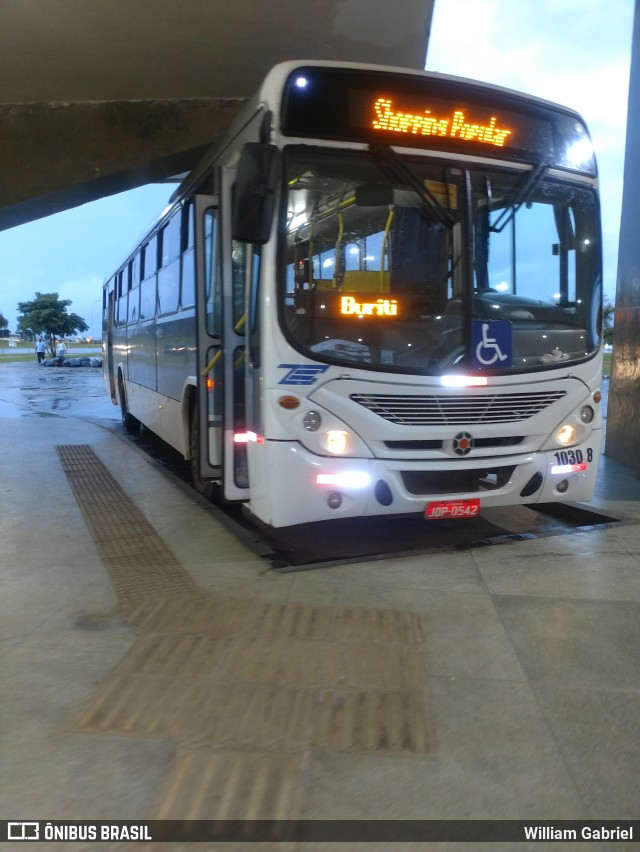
point(565, 434)
point(336, 441)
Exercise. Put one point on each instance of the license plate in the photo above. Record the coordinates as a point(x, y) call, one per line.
point(453, 509)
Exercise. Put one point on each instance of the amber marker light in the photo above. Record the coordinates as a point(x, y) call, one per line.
point(289, 402)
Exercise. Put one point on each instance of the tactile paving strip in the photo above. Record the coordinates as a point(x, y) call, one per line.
point(138, 561)
point(247, 687)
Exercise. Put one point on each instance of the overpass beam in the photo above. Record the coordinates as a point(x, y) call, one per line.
point(60, 155)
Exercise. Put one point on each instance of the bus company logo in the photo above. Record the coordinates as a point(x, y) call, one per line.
point(301, 374)
point(463, 443)
point(23, 831)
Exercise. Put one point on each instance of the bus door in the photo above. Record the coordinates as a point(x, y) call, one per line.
point(207, 419)
point(235, 265)
point(221, 356)
point(109, 316)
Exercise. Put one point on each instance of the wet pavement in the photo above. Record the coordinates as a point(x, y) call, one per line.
point(27, 388)
point(154, 667)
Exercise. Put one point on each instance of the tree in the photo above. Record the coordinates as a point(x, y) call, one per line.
point(608, 311)
point(47, 315)
point(4, 322)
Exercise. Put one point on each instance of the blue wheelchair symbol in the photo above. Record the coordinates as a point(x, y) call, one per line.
point(491, 343)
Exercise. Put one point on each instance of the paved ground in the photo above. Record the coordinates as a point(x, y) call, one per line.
point(154, 667)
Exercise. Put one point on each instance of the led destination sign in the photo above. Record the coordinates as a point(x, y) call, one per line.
point(426, 111)
point(350, 306)
point(337, 305)
point(426, 124)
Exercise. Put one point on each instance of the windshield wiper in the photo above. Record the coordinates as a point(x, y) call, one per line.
point(522, 195)
point(398, 168)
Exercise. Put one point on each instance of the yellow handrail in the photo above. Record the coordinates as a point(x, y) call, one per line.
point(383, 247)
point(211, 364)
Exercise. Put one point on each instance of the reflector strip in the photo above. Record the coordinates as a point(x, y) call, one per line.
point(353, 479)
point(245, 437)
point(568, 468)
point(458, 381)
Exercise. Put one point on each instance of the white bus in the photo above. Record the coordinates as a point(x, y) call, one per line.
point(381, 294)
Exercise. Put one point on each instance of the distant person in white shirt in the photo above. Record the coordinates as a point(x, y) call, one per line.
point(61, 351)
point(40, 349)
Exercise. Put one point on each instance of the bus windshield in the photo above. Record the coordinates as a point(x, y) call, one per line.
point(407, 264)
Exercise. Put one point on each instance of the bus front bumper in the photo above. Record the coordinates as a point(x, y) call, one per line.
point(304, 487)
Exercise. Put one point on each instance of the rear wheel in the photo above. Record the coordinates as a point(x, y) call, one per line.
point(203, 486)
point(130, 423)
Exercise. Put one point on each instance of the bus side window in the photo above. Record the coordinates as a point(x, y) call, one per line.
point(188, 288)
point(148, 285)
point(134, 295)
point(169, 273)
point(122, 291)
point(212, 273)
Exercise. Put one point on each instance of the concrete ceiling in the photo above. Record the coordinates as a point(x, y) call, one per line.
point(99, 96)
point(117, 50)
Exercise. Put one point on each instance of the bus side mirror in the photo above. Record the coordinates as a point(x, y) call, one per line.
point(254, 193)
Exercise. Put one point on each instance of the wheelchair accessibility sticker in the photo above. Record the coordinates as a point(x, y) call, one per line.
point(491, 343)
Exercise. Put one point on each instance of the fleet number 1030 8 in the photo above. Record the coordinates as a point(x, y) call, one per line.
point(573, 456)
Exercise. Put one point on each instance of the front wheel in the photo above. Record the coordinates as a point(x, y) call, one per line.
point(130, 423)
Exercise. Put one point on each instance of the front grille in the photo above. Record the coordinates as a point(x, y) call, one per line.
point(426, 482)
point(478, 443)
point(413, 445)
point(434, 410)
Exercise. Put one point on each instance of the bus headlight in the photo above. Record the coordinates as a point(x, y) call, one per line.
point(312, 421)
point(587, 414)
point(336, 441)
point(566, 435)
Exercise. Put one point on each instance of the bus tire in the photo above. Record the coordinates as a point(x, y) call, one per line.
point(130, 423)
point(205, 487)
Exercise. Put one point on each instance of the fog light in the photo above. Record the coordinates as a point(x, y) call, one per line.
point(586, 414)
point(334, 500)
point(312, 421)
point(565, 434)
point(562, 486)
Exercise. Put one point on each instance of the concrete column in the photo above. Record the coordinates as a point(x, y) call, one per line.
point(623, 424)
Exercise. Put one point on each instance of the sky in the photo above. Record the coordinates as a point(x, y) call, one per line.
point(574, 52)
